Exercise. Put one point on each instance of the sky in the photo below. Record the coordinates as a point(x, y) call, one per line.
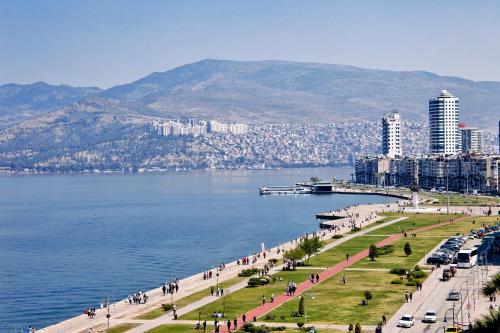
point(103, 43)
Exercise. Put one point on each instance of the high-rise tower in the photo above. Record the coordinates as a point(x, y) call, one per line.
point(444, 135)
point(391, 135)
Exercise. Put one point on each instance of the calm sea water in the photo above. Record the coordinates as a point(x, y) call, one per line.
point(68, 240)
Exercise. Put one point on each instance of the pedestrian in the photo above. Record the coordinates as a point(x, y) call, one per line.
point(263, 299)
point(204, 326)
point(235, 323)
point(229, 325)
point(272, 298)
point(411, 297)
point(384, 319)
point(344, 280)
point(407, 297)
point(317, 278)
point(164, 289)
point(212, 290)
point(347, 257)
point(244, 318)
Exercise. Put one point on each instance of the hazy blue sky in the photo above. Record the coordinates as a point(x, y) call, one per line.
point(110, 42)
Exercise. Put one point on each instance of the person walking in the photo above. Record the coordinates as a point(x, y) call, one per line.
point(204, 326)
point(235, 323)
point(411, 297)
point(384, 319)
point(244, 318)
point(263, 299)
point(407, 297)
point(164, 289)
point(229, 325)
point(347, 257)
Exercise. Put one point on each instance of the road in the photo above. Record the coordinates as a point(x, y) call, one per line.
point(434, 296)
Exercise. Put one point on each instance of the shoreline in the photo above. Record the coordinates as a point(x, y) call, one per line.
point(195, 282)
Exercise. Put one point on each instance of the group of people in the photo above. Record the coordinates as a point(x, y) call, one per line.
point(170, 287)
point(90, 312)
point(314, 278)
point(291, 287)
point(218, 292)
point(138, 297)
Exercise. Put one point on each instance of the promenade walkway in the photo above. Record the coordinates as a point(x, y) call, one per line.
point(121, 310)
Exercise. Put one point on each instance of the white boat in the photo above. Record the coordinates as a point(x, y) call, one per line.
point(295, 189)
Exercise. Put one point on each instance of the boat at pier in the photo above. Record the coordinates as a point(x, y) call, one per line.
point(295, 189)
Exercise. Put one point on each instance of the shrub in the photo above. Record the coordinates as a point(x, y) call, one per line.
point(417, 268)
point(410, 283)
point(300, 324)
point(372, 252)
point(418, 274)
point(248, 272)
point(396, 281)
point(357, 328)
point(355, 229)
point(337, 236)
point(248, 327)
point(167, 307)
point(278, 328)
point(350, 328)
point(258, 281)
point(407, 249)
point(398, 270)
point(386, 249)
point(301, 306)
point(273, 261)
point(270, 317)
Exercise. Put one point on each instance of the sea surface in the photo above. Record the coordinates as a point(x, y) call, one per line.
point(66, 241)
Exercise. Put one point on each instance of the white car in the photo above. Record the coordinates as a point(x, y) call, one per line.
point(406, 321)
point(430, 317)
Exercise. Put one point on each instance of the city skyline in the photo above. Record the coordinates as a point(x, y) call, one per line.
point(103, 44)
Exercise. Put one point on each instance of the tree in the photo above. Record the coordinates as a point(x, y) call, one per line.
point(407, 249)
point(294, 255)
point(301, 306)
point(373, 252)
point(488, 323)
point(368, 296)
point(311, 246)
point(357, 328)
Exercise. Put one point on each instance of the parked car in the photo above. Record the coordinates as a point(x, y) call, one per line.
point(454, 295)
point(406, 321)
point(430, 317)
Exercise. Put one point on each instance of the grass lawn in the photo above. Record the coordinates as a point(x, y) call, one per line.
point(420, 247)
point(190, 329)
point(246, 299)
point(461, 199)
point(337, 254)
point(173, 329)
point(121, 328)
point(462, 227)
point(337, 303)
point(412, 222)
point(188, 299)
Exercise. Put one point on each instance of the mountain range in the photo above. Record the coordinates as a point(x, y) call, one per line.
point(263, 92)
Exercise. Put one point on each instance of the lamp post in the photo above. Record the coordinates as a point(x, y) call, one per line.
point(447, 188)
point(311, 296)
point(453, 313)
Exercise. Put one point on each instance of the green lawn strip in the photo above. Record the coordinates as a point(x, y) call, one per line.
point(155, 313)
point(462, 227)
point(173, 329)
point(243, 300)
point(461, 200)
point(190, 329)
point(121, 328)
point(337, 254)
point(412, 222)
point(337, 303)
point(420, 247)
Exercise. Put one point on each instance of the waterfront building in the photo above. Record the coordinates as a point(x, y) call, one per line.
point(391, 135)
point(372, 171)
point(472, 140)
point(444, 135)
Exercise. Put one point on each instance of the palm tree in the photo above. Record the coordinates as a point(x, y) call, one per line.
point(488, 323)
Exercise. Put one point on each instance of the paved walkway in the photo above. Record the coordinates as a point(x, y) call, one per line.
point(306, 285)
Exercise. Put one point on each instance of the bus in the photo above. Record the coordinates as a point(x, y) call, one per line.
point(467, 258)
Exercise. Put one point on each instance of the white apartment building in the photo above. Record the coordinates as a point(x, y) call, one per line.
point(472, 140)
point(391, 135)
point(444, 134)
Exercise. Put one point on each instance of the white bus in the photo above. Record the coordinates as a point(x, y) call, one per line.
point(467, 258)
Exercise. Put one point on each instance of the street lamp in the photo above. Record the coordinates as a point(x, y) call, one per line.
point(311, 296)
point(446, 313)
